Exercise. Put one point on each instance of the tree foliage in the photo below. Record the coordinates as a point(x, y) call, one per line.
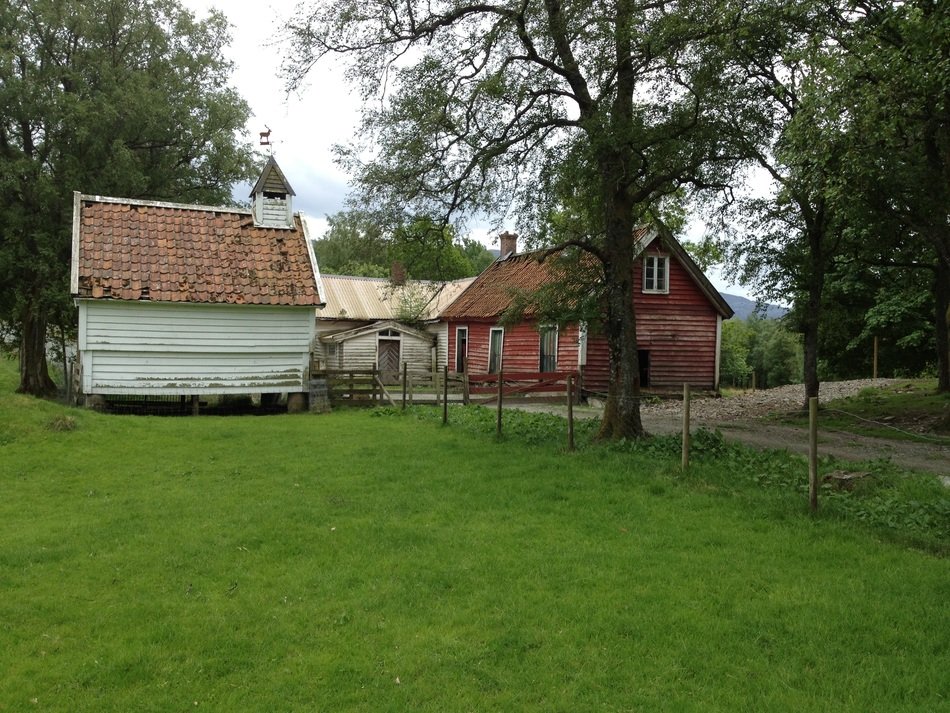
point(848, 116)
point(113, 97)
point(579, 118)
point(358, 243)
point(763, 346)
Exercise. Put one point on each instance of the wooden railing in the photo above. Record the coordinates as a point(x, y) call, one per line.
point(542, 386)
point(365, 387)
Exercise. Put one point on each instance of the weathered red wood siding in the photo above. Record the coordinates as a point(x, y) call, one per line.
point(678, 329)
point(521, 347)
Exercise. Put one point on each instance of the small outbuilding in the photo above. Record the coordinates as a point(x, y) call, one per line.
point(384, 323)
point(187, 300)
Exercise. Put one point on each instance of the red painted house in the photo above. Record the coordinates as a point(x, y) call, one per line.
point(679, 322)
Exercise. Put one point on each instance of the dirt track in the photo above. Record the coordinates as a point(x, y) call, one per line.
point(740, 418)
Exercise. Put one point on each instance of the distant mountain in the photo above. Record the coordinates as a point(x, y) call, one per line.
point(744, 307)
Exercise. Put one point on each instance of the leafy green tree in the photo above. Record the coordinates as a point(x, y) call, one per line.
point(896, 70)
point(428, 251)
point(734, 352)
point(478, 256)
point(788, 118)
point(579, 117)
point(115, 97)
point(775, 354)
point(353, 244)
point(891, 304)
point(360, 243)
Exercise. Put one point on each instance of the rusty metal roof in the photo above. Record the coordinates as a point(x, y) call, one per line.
point(495, 289)
point(168, 252)
point(376, 298)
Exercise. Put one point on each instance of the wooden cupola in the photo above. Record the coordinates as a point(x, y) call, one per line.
point(272, 198)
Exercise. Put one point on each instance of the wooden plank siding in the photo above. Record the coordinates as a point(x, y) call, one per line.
point(521, 347)
point(161, 348)
point(360, 352)
point(678, 329)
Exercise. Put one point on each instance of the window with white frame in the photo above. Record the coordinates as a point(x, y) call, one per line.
point(656, 270)
point(547, 349)
point(495, 345)
point(461, 349)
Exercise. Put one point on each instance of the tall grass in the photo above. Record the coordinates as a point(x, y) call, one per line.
point(385, 563)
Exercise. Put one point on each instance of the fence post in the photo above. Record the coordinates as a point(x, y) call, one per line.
point(445, 394)
point(874, 371)
point(685, 426)
point(753, 380)
point(405, 369)
point(500, 392)
point(570, 412)
point(375, 384)
point(813, 454)
point(465, 387)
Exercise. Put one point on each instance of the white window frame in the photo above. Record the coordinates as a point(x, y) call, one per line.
point(458, 331)
point(541, 333)
point(651, 272)
point(501, 349)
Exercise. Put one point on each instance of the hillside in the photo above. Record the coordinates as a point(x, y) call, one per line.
point(745, 307)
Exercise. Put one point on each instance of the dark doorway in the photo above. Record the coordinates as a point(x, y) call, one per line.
point(643, 356)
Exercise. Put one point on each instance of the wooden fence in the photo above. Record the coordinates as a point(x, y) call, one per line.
point(524, 386)
point(365, 387)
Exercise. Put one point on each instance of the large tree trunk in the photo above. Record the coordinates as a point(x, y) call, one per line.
point(34, 374)
point(942, 325)
point(622, 411)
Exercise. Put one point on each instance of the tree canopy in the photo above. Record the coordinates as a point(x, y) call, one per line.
point(357, 243)
point(114, 97)
point(579, 118)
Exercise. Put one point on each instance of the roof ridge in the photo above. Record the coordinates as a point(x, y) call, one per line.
point(93, 198)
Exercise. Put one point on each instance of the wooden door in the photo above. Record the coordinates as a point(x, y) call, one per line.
point(387, 357)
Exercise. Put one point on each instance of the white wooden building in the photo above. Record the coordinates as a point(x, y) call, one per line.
point(370, 322)
point(179, 299)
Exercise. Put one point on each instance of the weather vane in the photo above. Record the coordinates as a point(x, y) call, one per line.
point(265, 137)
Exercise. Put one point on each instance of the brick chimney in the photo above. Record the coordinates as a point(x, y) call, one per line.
point(397, 273)
point(509, 243)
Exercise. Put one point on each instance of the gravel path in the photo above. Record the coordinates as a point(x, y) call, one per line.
point(740, 418)
point(762, 402)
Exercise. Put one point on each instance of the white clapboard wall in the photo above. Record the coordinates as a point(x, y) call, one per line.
point(168, 348)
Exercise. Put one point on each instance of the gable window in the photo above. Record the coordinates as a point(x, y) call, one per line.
point(461, 348)
point(656, 274)
point(547, 349)
point(495, 344)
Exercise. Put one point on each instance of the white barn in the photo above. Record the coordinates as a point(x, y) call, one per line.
point(188, 300)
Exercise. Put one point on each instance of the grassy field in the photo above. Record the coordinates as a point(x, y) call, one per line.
point(381, 562)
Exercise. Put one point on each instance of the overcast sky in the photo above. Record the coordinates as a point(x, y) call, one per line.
point(304, 126)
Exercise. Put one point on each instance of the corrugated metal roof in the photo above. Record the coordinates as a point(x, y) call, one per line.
point(376, 298)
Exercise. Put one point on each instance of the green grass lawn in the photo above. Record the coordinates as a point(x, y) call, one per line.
point(380, 562)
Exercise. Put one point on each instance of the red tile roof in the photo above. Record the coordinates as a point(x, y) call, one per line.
point(132, 250)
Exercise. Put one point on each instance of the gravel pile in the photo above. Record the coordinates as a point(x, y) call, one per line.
point(759, 403)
